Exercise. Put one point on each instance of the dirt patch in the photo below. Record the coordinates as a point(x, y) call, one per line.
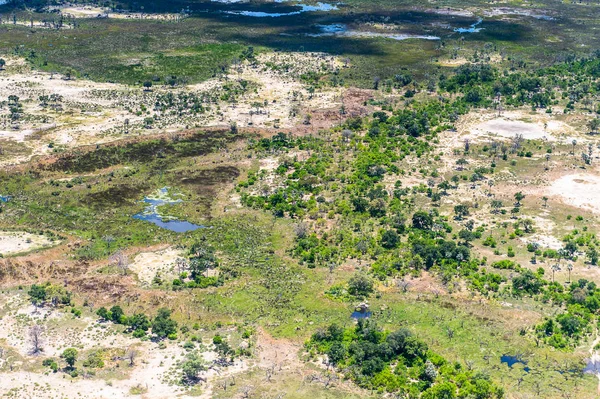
point(148, 264)
point(578, 190)
point(18, 242)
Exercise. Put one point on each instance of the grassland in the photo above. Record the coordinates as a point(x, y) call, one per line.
point(398, 165)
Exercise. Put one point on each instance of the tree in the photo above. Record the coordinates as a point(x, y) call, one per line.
point(336, 353)
point(422, 220)
point(519, 197)
point(139, 322)
point(103, 313)
point(2, 63)
point(162, 325)
point(569, 269)
point(496, 205)
point(430, 373)
point(461, 162)
point(191, 368)
point(116, 314)
point(390, 239)
point(131, 355)
point(120, 260)
point(360, 286)
point(545, 199)
point(461, 211)
point(593, 125)
point(35, 337)
point(69, 355)
point(37, 293)
point(592, 254)
point(147, 85)
point(555, 268)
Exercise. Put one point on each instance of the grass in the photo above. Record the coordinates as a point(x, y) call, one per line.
point(193, 50)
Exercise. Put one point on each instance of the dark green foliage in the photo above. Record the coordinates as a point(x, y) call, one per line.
point(366, 353)
point(163, 325)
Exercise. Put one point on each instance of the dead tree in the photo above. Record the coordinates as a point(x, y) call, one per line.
point(131, 356)
point(35, 338)
point(120, 260)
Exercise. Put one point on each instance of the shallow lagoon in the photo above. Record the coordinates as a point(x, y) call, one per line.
point(151, 213)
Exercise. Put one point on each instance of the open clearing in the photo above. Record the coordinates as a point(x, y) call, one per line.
point(14, 242)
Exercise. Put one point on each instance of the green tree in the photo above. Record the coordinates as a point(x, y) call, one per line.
point(390, 239)
point(116, 314)
point(69, 355)
point(163, 325)
point(422, 220)
point(519, 197)
point(360, 285)
point(191, 368)
point(103, 313)
point(139, 322)
point(37, 293)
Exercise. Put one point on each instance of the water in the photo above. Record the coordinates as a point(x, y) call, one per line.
point(5, 198)
point(472, 29)
point(592, 366)
point(325, 7)
point(151, 214)
point(361, 314)
point(512, 360)
point(342, 30)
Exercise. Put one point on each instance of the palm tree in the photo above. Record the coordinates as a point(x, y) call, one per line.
point(555, 268)
point(545, 199)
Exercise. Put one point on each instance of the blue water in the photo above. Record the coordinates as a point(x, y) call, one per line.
point(5, 198)
point(472, 29)
point(151, 214)
point(361, 314)
point(342, 30)
point(303, 8)
point(512, 360)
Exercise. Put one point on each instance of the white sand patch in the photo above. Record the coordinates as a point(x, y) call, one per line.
point(510, 128)
point(152, 370)
point(90, 113)
point(17, 242)
point(578, 190)
point(147, 264)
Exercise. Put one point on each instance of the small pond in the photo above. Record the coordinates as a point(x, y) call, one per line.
point(151, 213)
point(592, 366)
point(512, 360)
point(324, 7)
point(361, 314)
point(472, 29)
point(342, 30)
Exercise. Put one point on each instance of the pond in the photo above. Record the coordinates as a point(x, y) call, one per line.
point(592, 366)
point(361, 314)
point(342, 30)
point(472, 29)
point(324, 7)
point(512, 360)
point(151, 213)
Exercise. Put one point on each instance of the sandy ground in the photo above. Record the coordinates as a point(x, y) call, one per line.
point(99, 12)
point(96, 113)
point(483, 126)
point(578, 190)
point(153, 369)
point(18, 242)
point(148, 264)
